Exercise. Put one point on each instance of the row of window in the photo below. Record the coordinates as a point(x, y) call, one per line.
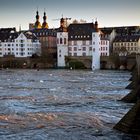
point(21, 53)
point(82, 36)
point(86, 49)
point(104, 42)
point(127, 48)
point(104, 48)
point(62, 41)
point(21, 45)
point(45, 34)
point(79, 49)
point(11, 49)
point(125, 44)
point(21, 41)
point(103, 54)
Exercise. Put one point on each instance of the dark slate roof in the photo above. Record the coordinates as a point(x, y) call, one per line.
point(124, 30)
point(44, 32)
point(8, 37)
point(128, 38)
point(106, 30)
point(7, 30)
point(81, 31)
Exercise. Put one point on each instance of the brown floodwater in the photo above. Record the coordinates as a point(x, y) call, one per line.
point(62, 104)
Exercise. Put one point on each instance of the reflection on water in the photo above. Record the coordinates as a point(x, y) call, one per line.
point(62, 104)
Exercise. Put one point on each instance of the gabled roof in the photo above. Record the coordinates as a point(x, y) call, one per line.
point(128, 38)
point(30, 35)
point(81, 31)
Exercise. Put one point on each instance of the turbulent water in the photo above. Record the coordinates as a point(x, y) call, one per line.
point(62, 104)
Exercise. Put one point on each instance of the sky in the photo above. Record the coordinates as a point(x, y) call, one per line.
point(109, 13)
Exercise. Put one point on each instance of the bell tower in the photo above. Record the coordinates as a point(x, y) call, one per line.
point(37, 23)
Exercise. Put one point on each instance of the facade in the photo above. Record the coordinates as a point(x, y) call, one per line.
point(47, 38)
point(22, 44)
point(83, 40)
point(111, 33)
point(104, 47)
point(125, 45)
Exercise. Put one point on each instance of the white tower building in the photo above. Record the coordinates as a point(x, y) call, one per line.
point(62, 44)
point(96, 48)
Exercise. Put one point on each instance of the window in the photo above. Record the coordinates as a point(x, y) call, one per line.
point(21, 41)
point(84, 54)
point(70, 43)
point(57, 41)
point(75, 54)
point(90, 48)
point(90, 42)
point(69, 48)
point(84, 48)
point(75, 42)
point(84, 42)
point(75, 48)
point(61, 41)
point(65, 41)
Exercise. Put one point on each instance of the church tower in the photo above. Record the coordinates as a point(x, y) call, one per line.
point(37, 23)
point(45, 24)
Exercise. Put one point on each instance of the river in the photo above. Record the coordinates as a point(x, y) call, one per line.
point(62, 104)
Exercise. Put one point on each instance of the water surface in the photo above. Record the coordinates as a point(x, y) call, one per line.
point(62, 104)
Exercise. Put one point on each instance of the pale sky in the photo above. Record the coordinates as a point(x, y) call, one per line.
point(14, 13)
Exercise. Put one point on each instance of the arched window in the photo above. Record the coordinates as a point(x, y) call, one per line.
point(65, 41)
point(61, 41)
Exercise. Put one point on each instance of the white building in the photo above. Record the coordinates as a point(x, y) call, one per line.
point(83, 40)
point(23, 44)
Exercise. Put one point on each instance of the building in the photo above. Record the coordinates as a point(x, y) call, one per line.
point(111, 32)
point(47, 38)
point(126, 45)
point(18, 44)
point(81, 40)
point(62, 44)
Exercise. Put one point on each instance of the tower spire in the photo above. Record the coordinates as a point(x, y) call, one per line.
point(37, 23)
point(45, 24)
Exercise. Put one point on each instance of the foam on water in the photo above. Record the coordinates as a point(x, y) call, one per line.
point(62, 104)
